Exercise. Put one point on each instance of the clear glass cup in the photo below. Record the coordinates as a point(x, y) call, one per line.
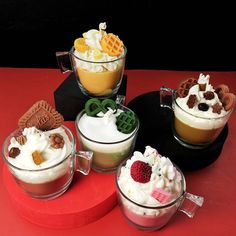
point(107, 155)
point(150, 218)
point(100, 79)
point(189, 130)
point(51, 182)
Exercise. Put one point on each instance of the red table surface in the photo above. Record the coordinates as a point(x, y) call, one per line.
point(20, 87)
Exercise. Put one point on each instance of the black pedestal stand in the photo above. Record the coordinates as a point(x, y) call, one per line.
point(156, 131)
point(69, 100)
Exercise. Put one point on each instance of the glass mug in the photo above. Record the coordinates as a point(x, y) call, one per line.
point(100, 79)
point(150, 218)
point(190, 130)
point(52, 181)
point(107, 155)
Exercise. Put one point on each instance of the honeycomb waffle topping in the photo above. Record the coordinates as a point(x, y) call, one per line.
point(112, 45)
point(184, 87)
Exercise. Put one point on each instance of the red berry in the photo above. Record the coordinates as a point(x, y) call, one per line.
point(141, 172)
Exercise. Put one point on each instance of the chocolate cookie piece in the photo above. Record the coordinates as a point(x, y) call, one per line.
point(57, 141)
point(216, 108)
point(228, 101)
point(184, 87)
point(209, 95)
point(192, 99)
point(221, 90)
point(42, 116)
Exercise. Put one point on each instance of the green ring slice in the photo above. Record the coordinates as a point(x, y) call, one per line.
point(108, 103)
point(93, 107)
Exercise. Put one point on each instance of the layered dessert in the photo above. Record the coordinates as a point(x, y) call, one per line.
point(109, 130)
point(150, 189)
point(98, 60)
point(38, 153)
point(201, 110)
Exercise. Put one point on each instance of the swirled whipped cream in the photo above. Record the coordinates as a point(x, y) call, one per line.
point(88, 59)
point(158, 184)
point(199, 112)
point(93, 37)
point(47, 155)
point(38, 140)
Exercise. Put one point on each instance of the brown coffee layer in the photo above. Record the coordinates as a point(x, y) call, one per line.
point(46, 188)
point(195, 136)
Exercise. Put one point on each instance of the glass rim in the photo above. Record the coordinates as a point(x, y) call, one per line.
point(41, 169)
point(105, 143)
point(71, 52)
point(198, 116)
point(183, 192)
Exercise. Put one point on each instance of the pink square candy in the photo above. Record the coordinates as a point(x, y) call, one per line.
point(161, 195)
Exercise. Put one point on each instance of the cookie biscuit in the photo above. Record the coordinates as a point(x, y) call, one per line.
point(184, 87)
point(42, 116)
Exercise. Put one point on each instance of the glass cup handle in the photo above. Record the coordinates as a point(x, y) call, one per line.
point(64, 61)
point(190, 204)
point(166, 97)
point(120, 99)
point(84, 161)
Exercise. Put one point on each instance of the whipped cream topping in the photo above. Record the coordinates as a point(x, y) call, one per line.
point(102, 128)
point(40, 141)
point(164, 176)
point(93, 38)
point(96, 54)
point(193, 116)
point(90, 63)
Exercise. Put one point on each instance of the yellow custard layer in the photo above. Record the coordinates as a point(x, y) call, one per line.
point(99, 83)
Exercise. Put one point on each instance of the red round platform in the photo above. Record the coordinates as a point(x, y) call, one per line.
point(87, 199)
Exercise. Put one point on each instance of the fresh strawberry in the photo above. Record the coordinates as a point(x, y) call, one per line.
point(141, 172)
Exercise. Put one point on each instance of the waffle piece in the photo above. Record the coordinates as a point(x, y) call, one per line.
point(41, 115)
point(184, 87)
point(112, 45)
point(126, 122)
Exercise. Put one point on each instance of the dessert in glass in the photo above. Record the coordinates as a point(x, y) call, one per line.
point(98, 60)
point(109, 130)
point(41, 153)
point(151, 189)
point(200, 110)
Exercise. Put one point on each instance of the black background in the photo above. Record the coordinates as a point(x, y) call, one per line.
point(170, 36)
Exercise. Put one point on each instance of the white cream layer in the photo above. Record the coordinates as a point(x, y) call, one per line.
point(103, 131)
point(40, 141)
point(105, 63)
